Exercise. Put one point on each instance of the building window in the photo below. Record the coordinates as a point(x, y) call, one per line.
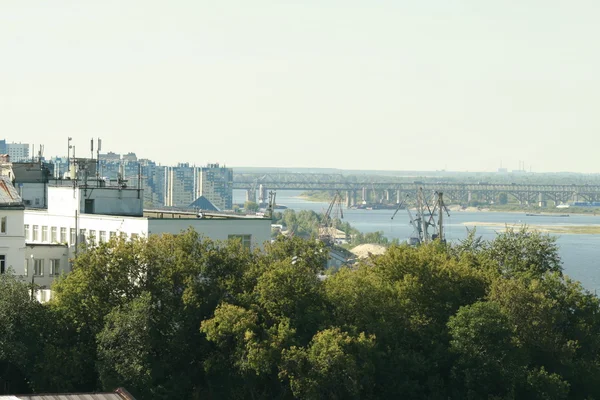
point(53, 238)
point(113, 235)
point(2, 264)
point(35, 233)
point(38, 267)
point(55, 267)
point(134, 236)
point(88, 206)
point(73, 236)
point(3, 225)
point(102, 236)
point(26, 226)
point(44, 233)
point(246, 240)
point(92, 237)
point(63, 235)
point(123, 235)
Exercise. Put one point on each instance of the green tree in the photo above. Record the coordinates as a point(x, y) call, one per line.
point(553, 319)
point(524, 251)
point(334, 365)
point(503, 198)
point(251, 206)
point(21, 328)
point(489, 361)
point(124, 350)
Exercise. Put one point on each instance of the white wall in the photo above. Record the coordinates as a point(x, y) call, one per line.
point(32, 193)
point(216, 229)
point(88, 222)
point(63, 200)
point(113, 201)
point(12, 243)
point(46, 253)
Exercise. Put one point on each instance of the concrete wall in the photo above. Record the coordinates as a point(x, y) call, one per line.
point(46, 253)
point(12, 243)
point(113, 201)
point(64, 200)
point(32, 193)
point(216, 229)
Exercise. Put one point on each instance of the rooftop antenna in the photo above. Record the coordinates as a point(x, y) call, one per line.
point(92, 147)
point(98, 159)
point(69, 154)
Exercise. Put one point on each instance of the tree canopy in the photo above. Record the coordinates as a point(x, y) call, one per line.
point(183, 317)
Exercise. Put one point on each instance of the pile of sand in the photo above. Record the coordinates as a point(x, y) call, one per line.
point(364, 250)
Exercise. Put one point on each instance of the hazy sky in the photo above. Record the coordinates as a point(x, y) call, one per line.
point(399, 85)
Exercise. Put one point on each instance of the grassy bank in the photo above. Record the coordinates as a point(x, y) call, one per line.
point(557, 229)
point(317, 196)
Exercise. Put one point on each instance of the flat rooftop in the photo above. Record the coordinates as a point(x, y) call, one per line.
point(181, 214)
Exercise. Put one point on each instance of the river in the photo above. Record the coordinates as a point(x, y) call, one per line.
point(579, 252)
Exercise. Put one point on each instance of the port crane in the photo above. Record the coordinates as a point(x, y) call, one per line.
point(426, 219)
point(327, 229)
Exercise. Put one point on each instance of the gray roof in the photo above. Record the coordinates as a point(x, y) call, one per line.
point(202, 203)
point(30, 172)
point(119, 394)
point(9, 197)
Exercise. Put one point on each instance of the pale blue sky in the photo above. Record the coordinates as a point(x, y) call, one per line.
point(399, 85)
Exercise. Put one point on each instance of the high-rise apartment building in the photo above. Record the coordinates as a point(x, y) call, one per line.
point(179, 186)
point(17, 151)
point(216, 184)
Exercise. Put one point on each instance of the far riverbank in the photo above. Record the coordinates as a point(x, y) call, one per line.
point(324, 197)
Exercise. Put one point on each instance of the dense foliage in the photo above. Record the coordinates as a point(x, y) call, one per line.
point(181, 317)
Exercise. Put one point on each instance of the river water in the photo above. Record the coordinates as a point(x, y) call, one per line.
point(580, 254)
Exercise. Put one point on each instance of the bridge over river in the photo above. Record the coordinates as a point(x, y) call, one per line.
point(393, 189)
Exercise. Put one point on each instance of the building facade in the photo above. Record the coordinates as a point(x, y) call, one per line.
point(216, 184)
point(78, 217)
point(18, 151)
point(12, 235)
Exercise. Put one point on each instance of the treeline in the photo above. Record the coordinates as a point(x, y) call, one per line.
point(305, 223)
point(181, 317)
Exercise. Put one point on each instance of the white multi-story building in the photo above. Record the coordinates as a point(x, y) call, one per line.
point(12, 238)
point(90, 214)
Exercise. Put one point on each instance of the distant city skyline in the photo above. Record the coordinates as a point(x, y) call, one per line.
point(501, 167)
point(454, 85)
